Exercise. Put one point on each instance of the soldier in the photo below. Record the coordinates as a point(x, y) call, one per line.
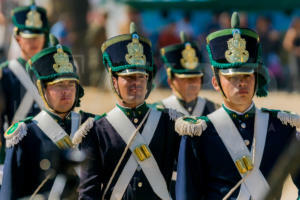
point(185, 76)
point(132, 149)
point(31, 33)
point(229, 153)
point(33, 144)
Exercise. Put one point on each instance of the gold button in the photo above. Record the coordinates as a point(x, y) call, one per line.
point(189, 109)
point(135, 120)
point(140, 184)
point(247, 142)
point(243, 125)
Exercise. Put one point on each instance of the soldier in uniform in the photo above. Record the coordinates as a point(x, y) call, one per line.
point(185, 77)
point(31, 33)
point(130, 150)
point(230, 153)
point(33, 144)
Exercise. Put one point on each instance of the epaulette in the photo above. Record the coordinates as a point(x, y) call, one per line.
point(97, 117)
point(157, 105)
point(174, 114)
point(15, 133)
point(191, 126)
point(286, 117)
point(2, 65)
point(83, 130)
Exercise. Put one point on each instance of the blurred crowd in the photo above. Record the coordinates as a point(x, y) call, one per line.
point(84, 27)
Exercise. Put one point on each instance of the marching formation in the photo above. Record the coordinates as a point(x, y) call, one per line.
point(182, 147)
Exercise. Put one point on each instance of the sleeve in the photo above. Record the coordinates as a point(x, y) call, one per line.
point(13, 174)
point(189, 172)
point(90, 178)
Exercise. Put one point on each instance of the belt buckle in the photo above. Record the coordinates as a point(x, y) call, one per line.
point(142, 152)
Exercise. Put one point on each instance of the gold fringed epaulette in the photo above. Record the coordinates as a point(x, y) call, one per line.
point(173, 114)
point(289, 118)
point(190, 126)
point(15, 134)
point(83, 130)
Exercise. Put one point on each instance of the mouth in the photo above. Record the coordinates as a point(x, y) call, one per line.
point(135, 89)
point(243, 91)
point(66, 99)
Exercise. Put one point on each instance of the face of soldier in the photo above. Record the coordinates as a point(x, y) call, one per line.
point(238, 89)
point(132, 89)
point(188, 88)
point(61, 95)
point(30, 46)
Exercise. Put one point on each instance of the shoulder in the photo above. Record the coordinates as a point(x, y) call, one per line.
point(16, 132)
point(157, 105)
point(2, 66)
point(170, 113)
point(85, 127)
point(285, 117)
point(191, 126)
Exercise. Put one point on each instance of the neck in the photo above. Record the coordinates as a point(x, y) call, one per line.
point(62, 115)
point(128, 105)
point(24, 56)
point(241, 108)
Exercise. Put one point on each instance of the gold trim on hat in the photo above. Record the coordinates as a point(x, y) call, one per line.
point(135, 54)
point(236, 49)
point(121, 38)
point(33, 18)
point(189, 59)
point(188, 75)
point(62, 63)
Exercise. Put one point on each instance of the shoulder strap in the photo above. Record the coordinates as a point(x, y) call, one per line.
point(255, 183)
point(31, 94)
point(199, 108)
point(149, 165)
point(173, 103)
point(24, 78)
point(52, 129)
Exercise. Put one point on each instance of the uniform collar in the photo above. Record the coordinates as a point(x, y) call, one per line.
point(138, 112)
point(22, 61)
point(248, 114)
point(64, 123)
point(188, 106)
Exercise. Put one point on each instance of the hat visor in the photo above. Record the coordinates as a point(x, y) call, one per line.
point(30, 34)
point(237, 71)
point(60, 79)
point(128, 72)
point(191, 75)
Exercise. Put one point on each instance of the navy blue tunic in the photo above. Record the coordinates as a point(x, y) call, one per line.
point(22, 171)
point(104, 147)
point(205, 168)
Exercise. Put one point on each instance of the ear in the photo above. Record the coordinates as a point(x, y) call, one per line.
point(115, 83)
point(17, 37)
point(215, 84)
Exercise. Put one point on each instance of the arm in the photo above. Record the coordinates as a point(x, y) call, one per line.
point(13, 174)
point(189, 172)
point(90, 179)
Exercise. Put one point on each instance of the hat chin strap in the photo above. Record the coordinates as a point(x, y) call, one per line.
point(216, 74)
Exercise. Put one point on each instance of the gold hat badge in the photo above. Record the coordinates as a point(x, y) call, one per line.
point(236, 48)
point(33, 18)
point(189, 59)
point(62, 63)
point(135, 50)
